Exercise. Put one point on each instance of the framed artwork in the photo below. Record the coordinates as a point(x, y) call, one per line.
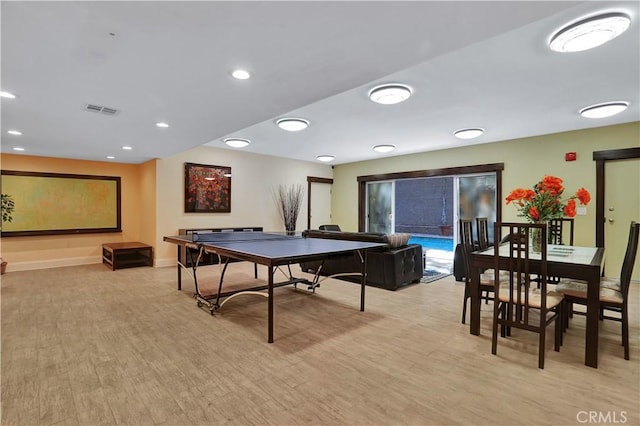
point(207, 189)
point(56, 203)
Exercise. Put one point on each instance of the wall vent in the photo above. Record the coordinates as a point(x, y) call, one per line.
point(101, 109)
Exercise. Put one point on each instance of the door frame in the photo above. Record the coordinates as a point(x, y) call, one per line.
point(601, 158)
point(310, 180)
point(496, 168)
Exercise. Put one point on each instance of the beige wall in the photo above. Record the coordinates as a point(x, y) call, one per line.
point(152, 203)
point(36, 252)
point(254, 177)
point(526, 161)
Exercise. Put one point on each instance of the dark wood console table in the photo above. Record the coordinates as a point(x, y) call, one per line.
point(127, 255)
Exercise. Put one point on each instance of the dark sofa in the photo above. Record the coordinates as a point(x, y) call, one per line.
point(387, 267)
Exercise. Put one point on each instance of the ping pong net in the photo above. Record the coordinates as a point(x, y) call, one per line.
point(237, 236)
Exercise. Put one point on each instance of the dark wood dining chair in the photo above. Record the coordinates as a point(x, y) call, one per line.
point(482, 229)
point(557, 232)
point(468, 246)
point(517, 302)
point(614, 294)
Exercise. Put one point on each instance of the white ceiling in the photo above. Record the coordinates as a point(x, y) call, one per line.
point(470, 64)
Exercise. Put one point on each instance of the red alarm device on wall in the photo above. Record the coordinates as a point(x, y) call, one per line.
point(570, 156)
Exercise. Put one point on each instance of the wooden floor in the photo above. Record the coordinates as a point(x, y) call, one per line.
point(90, 346)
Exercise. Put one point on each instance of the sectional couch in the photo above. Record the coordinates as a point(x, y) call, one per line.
point(396, 265)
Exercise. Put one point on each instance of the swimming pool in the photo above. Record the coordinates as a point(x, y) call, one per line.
point(432, 243)
point(437, 253)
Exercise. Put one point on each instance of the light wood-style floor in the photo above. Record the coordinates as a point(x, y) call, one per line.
point(89, 346)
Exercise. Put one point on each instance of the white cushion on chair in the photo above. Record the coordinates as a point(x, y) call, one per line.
point(612, 283)
point(578, 289)
point(487, 278)
point(554, 298)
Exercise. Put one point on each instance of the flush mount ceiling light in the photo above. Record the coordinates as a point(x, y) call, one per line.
point(292, 124)
point(384, 148)
point(240, 74)
point(590, 32)
point(325, 158)
point(7, 95)
point(14, 132)
point(603, 110)
point(110, 157)
point(468, 133)
point(237, 143)
point(18, 148)
point(127, 148)
point(162, 124)
point(390, 94)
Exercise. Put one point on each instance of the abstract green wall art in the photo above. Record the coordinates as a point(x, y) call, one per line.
point(54, 203)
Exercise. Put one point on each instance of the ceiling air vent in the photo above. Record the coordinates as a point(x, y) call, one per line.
point(101, 109)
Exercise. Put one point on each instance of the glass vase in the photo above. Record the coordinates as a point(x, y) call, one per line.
point(536, 239)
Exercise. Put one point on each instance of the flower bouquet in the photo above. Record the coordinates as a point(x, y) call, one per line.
point(544, 202)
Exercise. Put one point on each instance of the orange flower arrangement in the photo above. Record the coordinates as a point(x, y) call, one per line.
point(543, 202)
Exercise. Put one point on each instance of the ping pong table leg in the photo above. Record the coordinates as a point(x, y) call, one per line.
point(179, 270)
point(270, 303)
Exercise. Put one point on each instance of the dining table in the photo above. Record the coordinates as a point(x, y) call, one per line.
point(572, 262)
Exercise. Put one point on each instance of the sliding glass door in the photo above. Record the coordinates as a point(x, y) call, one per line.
point(380, 207)
point(477, 198)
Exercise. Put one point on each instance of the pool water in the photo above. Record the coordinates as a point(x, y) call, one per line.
point(432, 243)
point(437, 253)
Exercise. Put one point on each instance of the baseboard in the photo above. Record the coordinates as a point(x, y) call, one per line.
point(72, 261)
point(163, 263)
point(54, 263)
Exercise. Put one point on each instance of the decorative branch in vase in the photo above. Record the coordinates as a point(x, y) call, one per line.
point(288, 198)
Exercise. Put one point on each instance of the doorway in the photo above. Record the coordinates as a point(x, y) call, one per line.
point(616, 206)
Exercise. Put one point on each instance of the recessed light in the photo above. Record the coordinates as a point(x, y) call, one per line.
point(7, 95)
point(237, 142)
point(292, 124)
point(18, 148)
point(590, 32)
point(389, 94)
point(325, 158)
point(384, 148)
point(110, 157)
point(468, 133)
point(127, 148)
point(241, 74)
point(606, 109)
point(161, 124)
point(14, 132)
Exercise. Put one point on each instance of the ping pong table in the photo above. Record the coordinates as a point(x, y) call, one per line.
point(272, 250)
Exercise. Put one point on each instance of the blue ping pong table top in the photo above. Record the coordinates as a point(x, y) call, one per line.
point(273, 245)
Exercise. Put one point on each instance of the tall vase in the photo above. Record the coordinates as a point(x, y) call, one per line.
point(536, 239)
